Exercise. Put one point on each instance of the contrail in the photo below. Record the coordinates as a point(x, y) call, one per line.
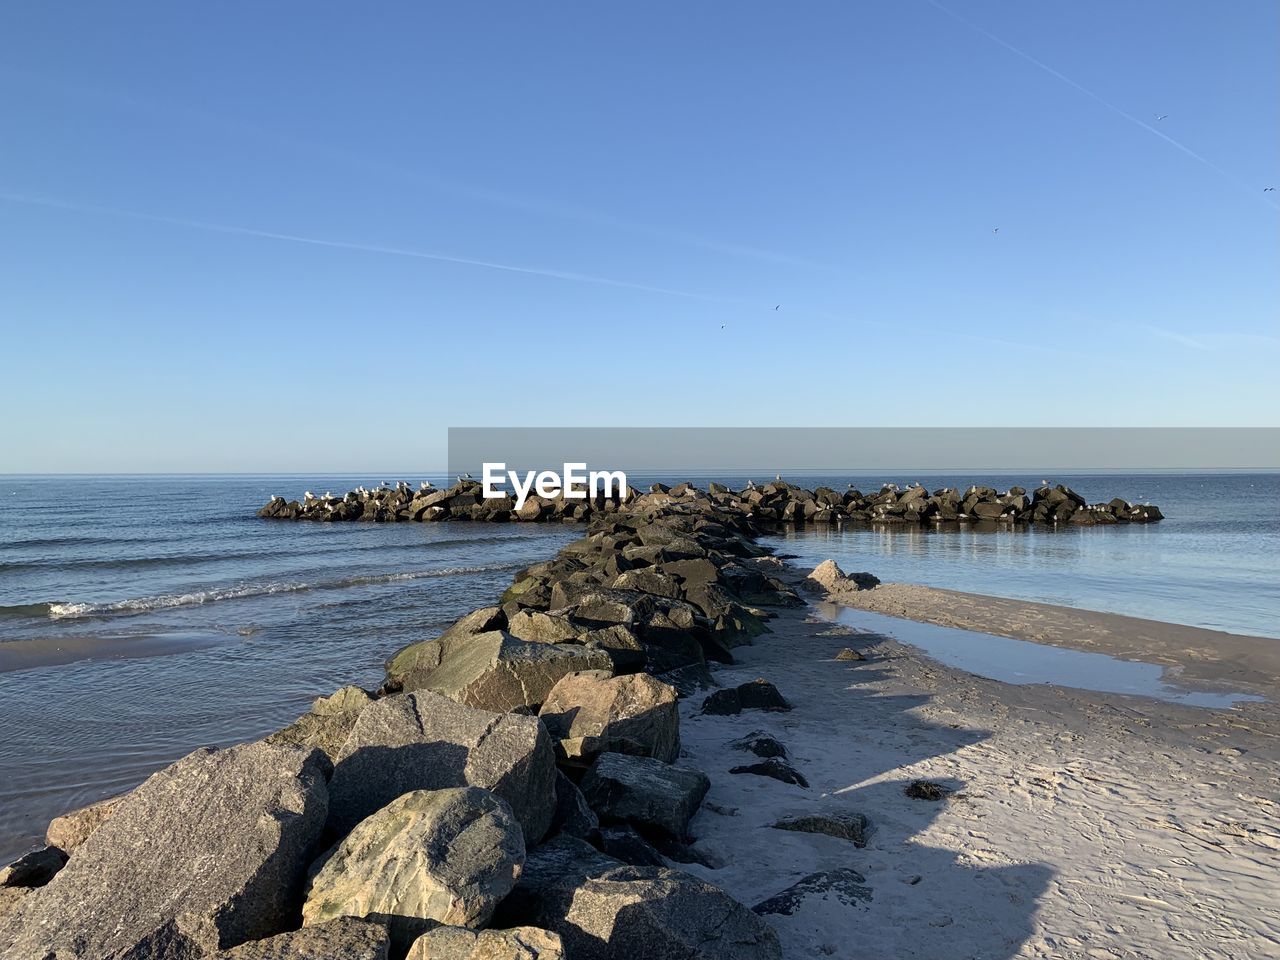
point(364, 247)
point(351, 158)
point(1081, 88)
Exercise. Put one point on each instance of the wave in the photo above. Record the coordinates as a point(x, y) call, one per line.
point(25, 610)
point(126, 563)
point(65, 611)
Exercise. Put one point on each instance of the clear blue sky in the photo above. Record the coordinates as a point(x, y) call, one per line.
point(850, 161)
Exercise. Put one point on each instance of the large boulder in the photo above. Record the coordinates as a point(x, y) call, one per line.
point(430, 856)
point(644, 792)
point(495, 671)
point(345, 938)
point(207, 854)
point(410, 664)
point(423, 741)
point(591, 713)
point(459, 943)
point(328, 722)
point(652, 913)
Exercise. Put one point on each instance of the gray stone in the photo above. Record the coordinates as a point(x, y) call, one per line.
point(345, 938)
point(33, 869)
point(761, 744)
point(534, 626)
point(853, 827)
point(591, 713)
point(561, 863)
point(775, 768)
point(494, 671)
point(72, 829)
point(428, 857)
point(843, 884)
point(458, 943)
point(653, 913)
point(328, 722)
point(572, 816)
point(423, 741)
point(755, 695)
point(409, 664)
point(205, 855)
point(644, 792)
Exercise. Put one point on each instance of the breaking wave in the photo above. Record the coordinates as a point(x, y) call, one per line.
point(65, 611)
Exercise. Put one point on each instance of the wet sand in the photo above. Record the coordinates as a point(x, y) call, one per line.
point(1192, 655)
point(1083, 824)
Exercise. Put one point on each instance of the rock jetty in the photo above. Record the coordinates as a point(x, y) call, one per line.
point(776, 502)
point(513, 789)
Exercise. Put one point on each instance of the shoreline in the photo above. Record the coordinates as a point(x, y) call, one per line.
point(1213, 659)
point(1080, 823)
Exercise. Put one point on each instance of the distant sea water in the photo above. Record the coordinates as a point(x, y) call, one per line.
point(142, 617)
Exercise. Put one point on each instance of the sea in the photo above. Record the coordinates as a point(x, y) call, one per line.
point(144, 616)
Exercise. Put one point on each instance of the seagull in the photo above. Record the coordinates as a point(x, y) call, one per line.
point(751, 484)
point(722, 326)
point(1268, 189)
point(1161, 116)
point(777, 307)
point(777, 476)
point(426, 485)
point(1044, 483)
point(996, 230)
point(308, 496)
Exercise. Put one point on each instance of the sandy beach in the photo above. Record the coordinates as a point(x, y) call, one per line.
point(1082, 824)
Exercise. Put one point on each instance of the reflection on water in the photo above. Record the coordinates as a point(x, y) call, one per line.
point(1022, 662)
point(1212, 564)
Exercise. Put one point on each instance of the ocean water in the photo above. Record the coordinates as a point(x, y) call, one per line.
point(162, 615)
point(142, 617)
point(1214, 562)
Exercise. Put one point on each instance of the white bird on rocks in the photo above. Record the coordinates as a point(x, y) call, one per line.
point(463, 477)
point(777, 476)
point(751, 484)
point(425, 485)
point(308, 497)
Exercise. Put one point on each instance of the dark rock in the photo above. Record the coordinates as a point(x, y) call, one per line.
point(853, 827)
point(761, 744)
point(653, 913)
point(644, 792)
point(206, 854)
point(34, 869)
point(756, 695)
point(343, 939)
point(423, 741)
point(689, 680)
point(623, 842)
point(573, 816)
point(844, 885)
point(927, 790)
point(776, 768)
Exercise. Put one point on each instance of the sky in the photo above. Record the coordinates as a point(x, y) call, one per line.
point(296, 236)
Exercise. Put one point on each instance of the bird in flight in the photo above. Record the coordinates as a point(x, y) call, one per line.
point(1161, 116)
point(1268, 189)
point(779, 305)
point(996, 230)
point(722, 326)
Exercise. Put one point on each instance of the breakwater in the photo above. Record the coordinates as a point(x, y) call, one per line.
point(777, 501)
point(535, 740)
